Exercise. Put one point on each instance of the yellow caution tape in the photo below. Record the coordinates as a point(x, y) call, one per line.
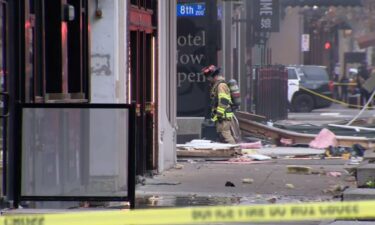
point(345, 84)
point(205, 215)
point(332, 99)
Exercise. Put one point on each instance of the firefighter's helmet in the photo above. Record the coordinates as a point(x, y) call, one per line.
point(210, 71)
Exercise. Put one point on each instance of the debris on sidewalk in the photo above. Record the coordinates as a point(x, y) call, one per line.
point(272, 200)
point(160, 182)
point(207, 148)
point(333, 174)
point(324, 139)
point(305, 170)
point(355, 161)
point(240, 159)
point(247, 181)
point(249, 151)
point(346, 152)
point(301, 135)
point(335, 189)
point(286, 142)
point(229, 184)
point(290, 152)
point(251, 145)
point(290, 186)
point(178, 166)
point(258, 157)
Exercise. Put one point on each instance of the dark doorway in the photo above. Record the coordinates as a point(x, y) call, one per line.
point(142, 62)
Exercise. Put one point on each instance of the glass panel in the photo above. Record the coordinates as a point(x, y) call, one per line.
point(74, 152)
point(292, 74)
point(134, 2)
point(315, 72)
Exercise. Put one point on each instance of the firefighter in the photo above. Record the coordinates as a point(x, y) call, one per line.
point(221, 104)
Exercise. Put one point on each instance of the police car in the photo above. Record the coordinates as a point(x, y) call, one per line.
point(311, 77)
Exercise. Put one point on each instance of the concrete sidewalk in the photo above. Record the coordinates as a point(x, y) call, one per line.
point(201, 183)
point(267, 179)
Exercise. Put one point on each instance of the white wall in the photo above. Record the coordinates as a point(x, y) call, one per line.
point(109, 74)
point(167, 83)
point(108, 52)
point(108, 81)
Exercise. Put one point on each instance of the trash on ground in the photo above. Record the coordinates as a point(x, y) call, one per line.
point(345, 152)
point(324, 139)
point(286, 142)
point(240, 159)
point(161, 182)
point(333, 174)
point(243, 161)
point(272, 200)
point(359, 150)
point(247, 180)
point(258, 157)
point(299, 169)
point(256, 145)
point(206, 148)
point(290, 152)
point(249, 151)
point(335, 189)
point(229, 184)
point(289, 186)
point(350, 179)
point(205, 144)
point(355, 160)
point(319, 172)
point(178, 166)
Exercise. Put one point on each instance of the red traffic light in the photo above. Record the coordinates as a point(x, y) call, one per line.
point(327, 45)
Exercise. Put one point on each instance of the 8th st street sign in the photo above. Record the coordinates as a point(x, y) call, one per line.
point(266, 15)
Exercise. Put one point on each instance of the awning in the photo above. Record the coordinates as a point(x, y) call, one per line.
point(321, 3)
point(366, 40)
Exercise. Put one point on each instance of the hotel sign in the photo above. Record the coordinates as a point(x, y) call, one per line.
point(266, 15)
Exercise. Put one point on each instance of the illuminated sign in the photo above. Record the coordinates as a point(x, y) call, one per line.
point(191, 9)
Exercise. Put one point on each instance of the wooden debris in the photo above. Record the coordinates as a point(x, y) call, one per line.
point(299, 170)
point(250, 127)
point(205, 148)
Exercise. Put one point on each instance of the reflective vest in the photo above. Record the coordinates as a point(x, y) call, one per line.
point(221, 101)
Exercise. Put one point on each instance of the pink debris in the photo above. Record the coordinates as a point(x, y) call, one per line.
point(286, 142)
point(241, 159)
point(251, 145)
point(334, 174)
point(324, 139)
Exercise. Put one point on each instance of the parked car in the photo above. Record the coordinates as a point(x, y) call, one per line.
point(314, 78)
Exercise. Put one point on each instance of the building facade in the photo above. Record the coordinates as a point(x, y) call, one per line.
point(90, 52)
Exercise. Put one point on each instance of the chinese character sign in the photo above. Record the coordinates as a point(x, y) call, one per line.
point(266, 15)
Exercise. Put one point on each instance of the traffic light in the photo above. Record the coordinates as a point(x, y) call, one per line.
point(327, 45)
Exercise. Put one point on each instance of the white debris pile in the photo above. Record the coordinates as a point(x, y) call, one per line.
point(205, 144)
point(207, 148)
